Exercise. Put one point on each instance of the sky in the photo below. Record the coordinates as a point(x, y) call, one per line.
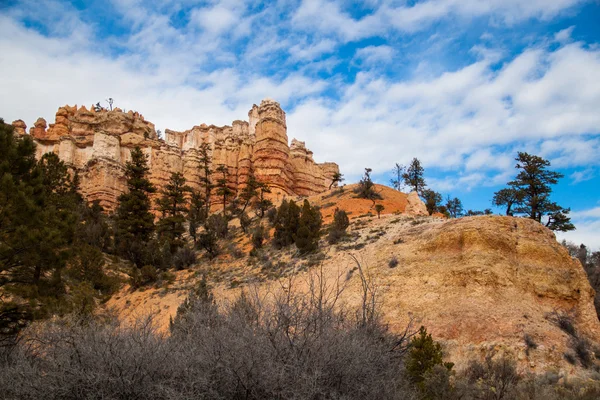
point(463, 85)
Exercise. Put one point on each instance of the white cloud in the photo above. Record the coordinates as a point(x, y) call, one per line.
point(587, 223)
point(310, 52)
point(374, 55)
point(582, 176)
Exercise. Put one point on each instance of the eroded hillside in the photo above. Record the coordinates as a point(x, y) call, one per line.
point(482, 285)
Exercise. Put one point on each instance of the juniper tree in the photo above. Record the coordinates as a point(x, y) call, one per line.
point(366, 187)
point(337, 230)
point(173, 207)
point(286, 223)
point(432, 200)
point(309, 228)
point(134, 221)
point(337, 177)
point(414, 176)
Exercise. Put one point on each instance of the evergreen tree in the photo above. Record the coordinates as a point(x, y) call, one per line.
point(508, 198)
point(531, 191)
point(309, 229)
point(454, 207)
point(263, 204)
point(134, 221)
point(366, 187)
point(286, 223)
point(336, 178)
point(414, 176)
point(423, 355)
point(173, 207)
point(205, 173)
point(197, 214)
point(337, 230)
point(254, 189)
point(432, 200)
point(222, 186)
point(398, 180)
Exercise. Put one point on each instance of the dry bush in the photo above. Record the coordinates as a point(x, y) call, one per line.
point(289, 345)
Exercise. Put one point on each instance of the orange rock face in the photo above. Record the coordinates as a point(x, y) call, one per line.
point(99, 143)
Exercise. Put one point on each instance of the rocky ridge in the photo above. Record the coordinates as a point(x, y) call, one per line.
point(99, 143)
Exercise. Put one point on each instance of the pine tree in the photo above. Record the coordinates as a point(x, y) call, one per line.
point(454, 207)
point(134, 221)
point(414, 176)
point(205, 174)
point(398, 180)
point(196, 214)
point(222, 186)
point(529, 193)
point(508, 198)
point(173, 206)
point(424, 354)
point(253, 189)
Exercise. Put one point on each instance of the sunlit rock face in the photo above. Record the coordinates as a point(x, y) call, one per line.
point(98, 144)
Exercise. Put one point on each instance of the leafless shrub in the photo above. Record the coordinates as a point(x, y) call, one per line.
point(293, 344)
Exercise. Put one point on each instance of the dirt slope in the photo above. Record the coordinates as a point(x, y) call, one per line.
point(479, 284)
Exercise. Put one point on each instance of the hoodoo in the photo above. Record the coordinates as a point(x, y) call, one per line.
point(98, 144)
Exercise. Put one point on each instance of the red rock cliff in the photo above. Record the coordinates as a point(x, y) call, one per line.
point(98, 144)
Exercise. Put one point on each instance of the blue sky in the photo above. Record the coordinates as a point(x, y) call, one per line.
point(461, 84)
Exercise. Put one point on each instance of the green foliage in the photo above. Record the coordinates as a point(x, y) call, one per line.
point(336, 178)
point(366, 187)
point(197, 214)
point(432, 199)
point(508, 198)
point(414, 176)
point(454, 207)
point(337, 230)
point(423, 355)
point(309, 229)
point(173, 207)
point(205, 173)
point(222, 185)
point(529, 193)
point(286, 223)
point(134, 221)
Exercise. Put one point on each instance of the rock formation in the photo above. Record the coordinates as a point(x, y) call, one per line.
point(98, 144)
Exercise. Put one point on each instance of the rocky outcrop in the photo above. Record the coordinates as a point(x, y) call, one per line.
point(98, 143)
